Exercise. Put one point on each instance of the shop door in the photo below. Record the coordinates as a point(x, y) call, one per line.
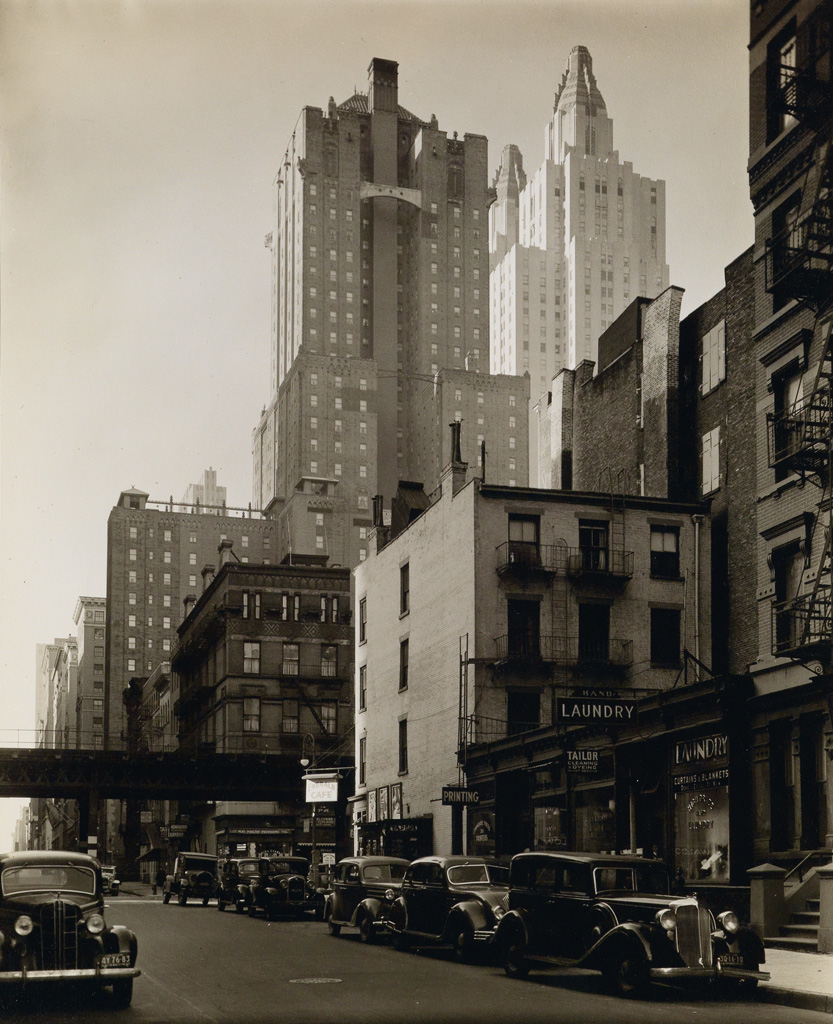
point(813, 799)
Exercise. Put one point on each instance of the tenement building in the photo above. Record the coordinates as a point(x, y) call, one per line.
point(573, 244)
point(380, 332)
point(525, 679)
point(791, 185)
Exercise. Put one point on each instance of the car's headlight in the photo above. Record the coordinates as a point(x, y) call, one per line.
point(728, 922)
point(284, 883)
point(390, 895)
point(499, 911)
point(667, 919)
point(95, 924)
point(23, 925)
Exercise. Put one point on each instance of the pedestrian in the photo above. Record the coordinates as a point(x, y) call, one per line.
point(159, 879)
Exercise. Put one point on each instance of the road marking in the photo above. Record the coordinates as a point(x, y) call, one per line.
point(173, 994)
point(315, 981)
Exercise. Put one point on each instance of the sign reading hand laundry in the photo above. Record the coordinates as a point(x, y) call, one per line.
point(597, 709)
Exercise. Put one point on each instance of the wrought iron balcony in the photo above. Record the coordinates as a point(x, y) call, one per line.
point(799, 260)
point(524, 557)
point(801, 627)
point(477, 729)
point(798, 439)
point(608, 564)
point(557, 649)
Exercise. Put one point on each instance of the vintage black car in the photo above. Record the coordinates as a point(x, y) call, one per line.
point(319, 887)
point(194, 876)
point(109, 880)
point(235, 878)
point(603, 912)
point(364, 889)
point(52, 924)
point(280, 887)
point(454, 901)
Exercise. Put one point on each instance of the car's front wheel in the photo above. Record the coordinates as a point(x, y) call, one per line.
point(515, 963)
point(332, 927)
point(122, 993)
point(183, 899)
point(166, 897)
point(463, 940)
point(367, 930)
point(627, 972)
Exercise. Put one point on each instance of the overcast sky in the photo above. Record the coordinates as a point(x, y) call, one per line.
point(139, 144)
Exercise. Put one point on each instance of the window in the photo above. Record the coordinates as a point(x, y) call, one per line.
point(711, 460)
point(291, 659)
point(251, 605)
point(131, 554)
point(166, 535)
point(665, 637)
point(594, 633)
point(787, 423)
point(192, 558)
point(131, 621)
point(131, 578)
point(251, 658)
point(363, 620)
point(403, 746)
point(328, 714)
point(131, 643)
point(290, 721)
point(523, 540)
point(131, 664)
point(403, 664)
point(251, 714)
point(362, 760)
point(166, 623)
point(362, 687)
point(714, 358)
point(192, 581)
point(782, 84)
point(665, 551)
point(787, 569)
point(329, 661)
point(592, 541)
point(404, 589)
point(166, 557)
point(166, 600)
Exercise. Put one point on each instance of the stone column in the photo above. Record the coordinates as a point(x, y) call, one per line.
point(826, 909)
point(766, 899)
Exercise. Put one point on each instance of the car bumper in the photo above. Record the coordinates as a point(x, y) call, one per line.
point(484, 935)
point(718, 971)
point(103, 975)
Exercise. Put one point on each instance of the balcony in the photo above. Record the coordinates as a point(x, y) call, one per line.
point(801, 627)
point(799, 260)
point(567, 651)
point(798, 438)
point(317, 669)
point(523, 558)
point(608, 566)
point(477, 729)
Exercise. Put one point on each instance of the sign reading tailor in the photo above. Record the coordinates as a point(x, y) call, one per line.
point(583, 762)
point(596, 709)
point(459, 795)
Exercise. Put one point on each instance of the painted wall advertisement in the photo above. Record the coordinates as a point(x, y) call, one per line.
point(701, 808)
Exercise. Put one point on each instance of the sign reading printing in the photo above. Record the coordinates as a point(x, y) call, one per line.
point(583, 762)
point(584, 709)
point(459, 795)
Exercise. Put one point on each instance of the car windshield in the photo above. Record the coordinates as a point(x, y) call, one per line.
point(247, 867)
point(631, 878)
point(48, 878)
point(465, 874)
point(198, 864)
point(384, 872)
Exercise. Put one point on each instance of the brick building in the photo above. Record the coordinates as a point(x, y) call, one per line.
point(90, 619)
point(264, 663)
point(380, 318)
point(791, 114)
point(534, 644)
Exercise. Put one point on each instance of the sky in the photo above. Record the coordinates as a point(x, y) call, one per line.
point(139, 140)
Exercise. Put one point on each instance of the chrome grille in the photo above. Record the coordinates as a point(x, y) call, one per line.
point(59, 936)
point(694, 942)
point(296, 889)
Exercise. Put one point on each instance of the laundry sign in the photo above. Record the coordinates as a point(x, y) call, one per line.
point(585, 709)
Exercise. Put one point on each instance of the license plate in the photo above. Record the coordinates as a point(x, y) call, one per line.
point(115, 960)
point(731, 959)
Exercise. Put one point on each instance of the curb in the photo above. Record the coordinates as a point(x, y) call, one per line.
point(819, 1001)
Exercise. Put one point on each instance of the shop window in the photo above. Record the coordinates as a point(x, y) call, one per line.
point(665, 637)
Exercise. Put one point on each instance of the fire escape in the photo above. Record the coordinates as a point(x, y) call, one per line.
point(799, 266)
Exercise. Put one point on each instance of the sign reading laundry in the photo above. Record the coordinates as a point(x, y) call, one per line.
point(585, 708)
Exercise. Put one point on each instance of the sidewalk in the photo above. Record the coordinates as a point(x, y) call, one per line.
point(800, 980)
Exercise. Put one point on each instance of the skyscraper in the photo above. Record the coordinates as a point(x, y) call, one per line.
point(380, 331)
point(572, 245)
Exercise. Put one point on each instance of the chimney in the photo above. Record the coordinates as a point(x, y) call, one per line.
point(225, 551)
point(207, 576)
point(378, 509)
point(454, 474)
point(188, 603)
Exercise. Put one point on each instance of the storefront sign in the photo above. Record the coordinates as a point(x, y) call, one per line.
point(596, 709)
point(459, 795)
point(322, 791)
point(701, 780)
point(701, 834)
point(583, 762)
point(704, 748)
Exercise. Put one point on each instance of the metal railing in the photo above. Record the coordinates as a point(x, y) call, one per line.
point(564, 650)
point(610, 562)
point(800, 435)
point(801, 622)
point(521, 556)
point(481, 729)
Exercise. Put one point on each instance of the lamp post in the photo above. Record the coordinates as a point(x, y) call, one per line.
point(307, 758)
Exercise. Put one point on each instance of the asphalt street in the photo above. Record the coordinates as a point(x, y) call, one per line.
point(203, 967)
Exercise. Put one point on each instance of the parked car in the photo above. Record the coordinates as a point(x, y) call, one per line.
point(608, 913)
point(52, 925)
point(280, 887)
point(235, 877)
point(319, 886)
point(364, 889)
point(454, 901)
point(194, 876)
point(110, 883)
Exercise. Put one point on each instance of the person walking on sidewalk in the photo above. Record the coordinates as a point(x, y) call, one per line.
point(158, 879)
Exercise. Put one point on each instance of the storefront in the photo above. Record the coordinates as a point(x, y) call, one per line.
point(397, 837)
point(700, 782)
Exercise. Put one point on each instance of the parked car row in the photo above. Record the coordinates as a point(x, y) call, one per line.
point(610, 913)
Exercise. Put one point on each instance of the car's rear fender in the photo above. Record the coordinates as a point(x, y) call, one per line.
point(122, 940)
